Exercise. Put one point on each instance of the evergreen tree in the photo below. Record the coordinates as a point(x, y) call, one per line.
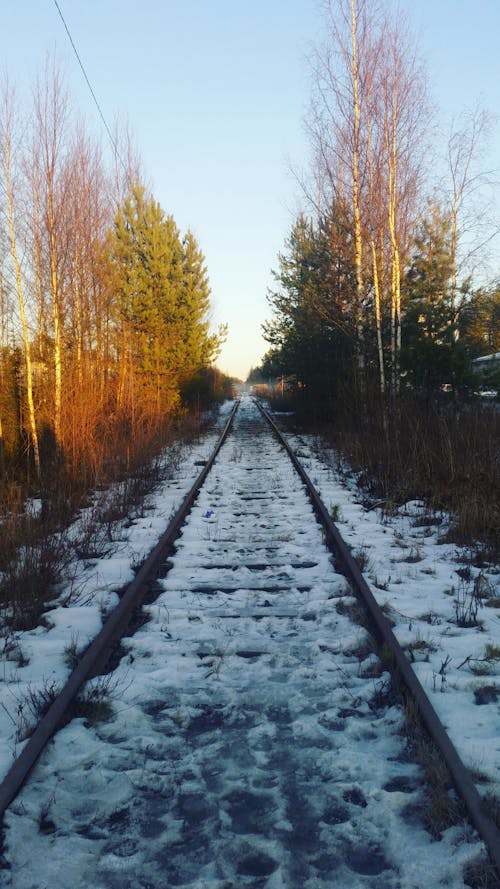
point(313, 332)
point(431, 354)
point(199, 346)
point(148, 266)
point(163, 300)
point(479, 322)
point(428, 279)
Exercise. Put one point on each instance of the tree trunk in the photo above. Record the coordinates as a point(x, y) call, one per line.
point(358, 243)
point(378, 317)
point(20, 294)
point(2, 453)
point(56, 318)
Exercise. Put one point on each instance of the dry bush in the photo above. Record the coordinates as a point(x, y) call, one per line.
point(481, 874)
point(441, 451)
point(32, 561)
point(110, 474)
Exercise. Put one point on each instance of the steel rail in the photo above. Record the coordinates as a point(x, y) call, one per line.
point(475, 805)
point(98, 652)
point(101, 647)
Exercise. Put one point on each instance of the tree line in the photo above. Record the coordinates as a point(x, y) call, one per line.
point(374, 288)
point(104, 304)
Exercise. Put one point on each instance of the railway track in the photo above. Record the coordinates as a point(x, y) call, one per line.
point(255, 740)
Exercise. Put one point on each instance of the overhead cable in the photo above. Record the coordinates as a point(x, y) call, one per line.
point(99, 109)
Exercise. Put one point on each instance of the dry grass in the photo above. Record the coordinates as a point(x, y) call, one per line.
point(438, 450)
point(440, 807)
point(419, 648)
point(108, 486)
point(481, 874)
point(33, 559)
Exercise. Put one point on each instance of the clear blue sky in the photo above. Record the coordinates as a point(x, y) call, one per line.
point(215, 91)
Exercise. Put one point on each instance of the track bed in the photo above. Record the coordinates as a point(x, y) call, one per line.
point(253, 741)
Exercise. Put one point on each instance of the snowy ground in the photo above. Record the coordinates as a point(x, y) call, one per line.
point(34, 660)
point(248, 748)
point(427, 588)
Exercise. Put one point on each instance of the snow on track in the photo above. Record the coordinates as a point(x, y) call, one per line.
point(251, 745)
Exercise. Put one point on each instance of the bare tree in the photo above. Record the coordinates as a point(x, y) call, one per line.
point(367, 121)
point(402, 85)
point(375, 227)
point(89, 217)
point(338, 120)
point(6, 125)
point(51, 117)
point(466, 145)
point(127, 164)
point(2, 360)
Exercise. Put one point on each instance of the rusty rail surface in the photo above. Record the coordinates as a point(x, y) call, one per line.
point(475, 805)
point(100, 649)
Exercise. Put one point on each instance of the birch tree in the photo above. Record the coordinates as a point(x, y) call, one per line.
point(403, 88)
point(337, 122)
point(465, 146)
point(87, 216)
point(6, 129)
point(51, 113)
point(367, 125)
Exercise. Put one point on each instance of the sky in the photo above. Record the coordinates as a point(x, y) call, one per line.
point(215, 94)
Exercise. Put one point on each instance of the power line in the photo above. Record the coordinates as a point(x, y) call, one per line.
point(99, 109)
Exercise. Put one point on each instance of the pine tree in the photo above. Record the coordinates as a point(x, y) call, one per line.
point(163, 300)
point(194, 305)
point(147, 254)
point(431, 355)
point(313, 332)
point(479, 322)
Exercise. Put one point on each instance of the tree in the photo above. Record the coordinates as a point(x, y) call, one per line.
point(199, 346)
point(431, 355)
point(367, 126)
point(337, 119)
point(162, 304)
point(402, 85)
point(479, 322)
point(51, 112)
point(465, 145)
point(147, 254)
point(6, 136)
point(429, 276)
point(104, 307)
point(87, 356)
point(3, 356)
point(313, 332)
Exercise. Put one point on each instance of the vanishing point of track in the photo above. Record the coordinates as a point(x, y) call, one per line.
point(267, 598)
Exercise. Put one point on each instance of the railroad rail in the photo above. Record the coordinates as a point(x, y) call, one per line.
point(256, 608)
point(475, 805)
point(99, 651)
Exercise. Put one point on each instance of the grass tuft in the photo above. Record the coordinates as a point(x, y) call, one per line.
point(481, 874)
point(423, 448)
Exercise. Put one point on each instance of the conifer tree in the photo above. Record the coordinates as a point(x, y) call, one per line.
point(313, 333)
point(163, 299)
point(148, 257)
point(194, 306)
point(431, 355)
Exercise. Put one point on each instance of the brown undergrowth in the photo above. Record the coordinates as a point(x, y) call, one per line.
point(36, 547)
point(440, 450)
